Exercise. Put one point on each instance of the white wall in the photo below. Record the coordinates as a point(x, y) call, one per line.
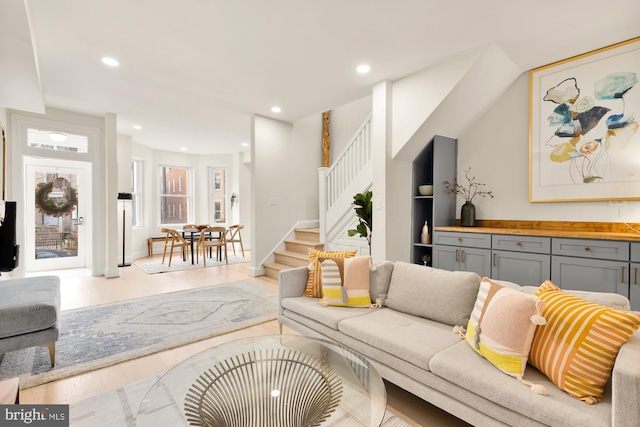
point(285, 162)
point(125, 147)
point(344, 122)
point(496, 147)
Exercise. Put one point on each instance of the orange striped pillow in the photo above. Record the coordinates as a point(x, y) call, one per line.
point(577, 347)
point(314, 285)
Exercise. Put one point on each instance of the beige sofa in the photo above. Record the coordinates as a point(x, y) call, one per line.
point(411, 343)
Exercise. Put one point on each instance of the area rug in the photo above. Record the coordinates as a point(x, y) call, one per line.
point(103, 335)
point(177, 264)
point(119, 407)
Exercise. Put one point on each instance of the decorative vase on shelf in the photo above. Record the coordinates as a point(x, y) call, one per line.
point(425, 239)
point(468, 215)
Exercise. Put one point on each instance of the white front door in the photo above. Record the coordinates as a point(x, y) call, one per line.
point(56, 221)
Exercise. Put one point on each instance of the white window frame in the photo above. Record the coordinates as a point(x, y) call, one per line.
point(212, 195)
point(172, 212)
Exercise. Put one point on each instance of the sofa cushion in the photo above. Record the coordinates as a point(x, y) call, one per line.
point(577, 347)
point(345, 281)
point(314, 286)
point(410, 338)
point(379, 280)
point(328, 316)
point(440, 295)
point(25, 312)
point(502, 325)
point(460, 365)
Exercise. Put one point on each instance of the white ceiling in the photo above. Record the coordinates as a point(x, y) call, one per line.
point(194, 71)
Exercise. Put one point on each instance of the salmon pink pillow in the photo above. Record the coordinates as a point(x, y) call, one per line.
point(345, 281)
point(502, 326)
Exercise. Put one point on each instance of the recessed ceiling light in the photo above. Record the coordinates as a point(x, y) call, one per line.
point(183, 148)
point(137, 127)
point(276, 109)
point(110, 62)
point(57, 136)
point(244, 144)
point(363, 69)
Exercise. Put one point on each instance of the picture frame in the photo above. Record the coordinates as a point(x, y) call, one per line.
point(584, 131)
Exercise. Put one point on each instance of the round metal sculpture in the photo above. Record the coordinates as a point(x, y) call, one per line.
point(273, 388)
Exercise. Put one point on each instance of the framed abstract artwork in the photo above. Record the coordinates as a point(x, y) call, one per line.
point(584, 137)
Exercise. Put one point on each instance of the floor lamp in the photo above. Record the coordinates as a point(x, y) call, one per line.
point(125, 201)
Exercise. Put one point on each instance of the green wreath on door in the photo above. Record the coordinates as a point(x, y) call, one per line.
point(57, 207)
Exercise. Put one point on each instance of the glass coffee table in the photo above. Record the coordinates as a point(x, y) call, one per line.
point(268, 381)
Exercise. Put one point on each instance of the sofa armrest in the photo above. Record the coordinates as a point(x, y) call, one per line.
point(625, 409)
point(291, 283)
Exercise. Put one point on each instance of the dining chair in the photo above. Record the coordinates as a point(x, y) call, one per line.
point(177, 241)
point(204, 243)
point(188, 227)
point(234, 236)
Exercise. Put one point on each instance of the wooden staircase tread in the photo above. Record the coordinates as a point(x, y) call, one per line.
point(277, 266)
point(293, 254)
point(309, 230)
point(303, 242)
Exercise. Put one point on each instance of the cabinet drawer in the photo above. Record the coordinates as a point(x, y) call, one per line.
point(635, 252)
point(473, 240)
point(539, 245)
point(600, 249)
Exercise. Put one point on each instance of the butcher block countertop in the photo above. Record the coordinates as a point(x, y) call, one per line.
point(577, 230)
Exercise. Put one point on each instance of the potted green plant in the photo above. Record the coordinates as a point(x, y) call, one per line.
point(363, 207)
point(468, 191)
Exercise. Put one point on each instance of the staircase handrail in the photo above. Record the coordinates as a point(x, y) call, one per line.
point(346, 173)
point(346, 149)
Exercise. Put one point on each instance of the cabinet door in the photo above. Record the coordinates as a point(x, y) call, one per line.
point(521, 268)
point(634, 287)
point(590, 275)
point(446, 257)
point(635, 252)
point(476, 260)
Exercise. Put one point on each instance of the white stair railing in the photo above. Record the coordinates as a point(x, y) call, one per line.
point(351, 173)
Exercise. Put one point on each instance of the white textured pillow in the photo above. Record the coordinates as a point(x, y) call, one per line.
point(379, 280)
point(444, 296)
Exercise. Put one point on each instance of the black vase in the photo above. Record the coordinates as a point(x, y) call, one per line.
point(468, 215)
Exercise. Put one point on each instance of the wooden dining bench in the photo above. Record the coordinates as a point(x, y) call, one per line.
point(152, 240)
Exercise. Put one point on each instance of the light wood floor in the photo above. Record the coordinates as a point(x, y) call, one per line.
point(79, 289)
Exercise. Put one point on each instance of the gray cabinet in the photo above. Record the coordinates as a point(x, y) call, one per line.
point(521, 259)
point(590, 248)
point(634, 277)
point(590, 275)
point(435, 164)
point(521, 268)
point(462, 252)
point(590, 265)
point(597, 265)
